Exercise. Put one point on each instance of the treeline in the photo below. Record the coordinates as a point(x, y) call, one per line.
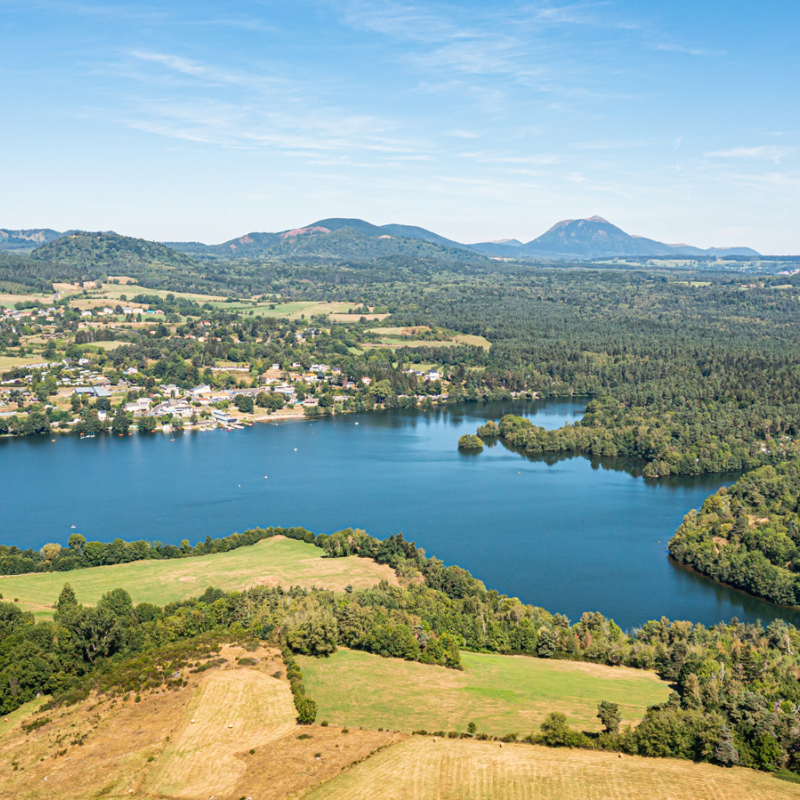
point(749, 535)
point(736, 696)
point(80, 554)
point(670, 442)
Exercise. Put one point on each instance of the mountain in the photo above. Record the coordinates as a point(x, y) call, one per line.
point(357, 239)
point(109, 252)
point(595, 237)
point(340, 238)
point(22, 241)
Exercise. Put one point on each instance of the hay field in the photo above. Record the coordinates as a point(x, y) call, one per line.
point(423, 769)
point(150, 750)
point(271, 562)
point(502, 694)
point(233, 711)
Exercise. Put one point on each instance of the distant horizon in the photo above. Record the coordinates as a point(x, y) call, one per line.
point(195, 121)
point(498, 240)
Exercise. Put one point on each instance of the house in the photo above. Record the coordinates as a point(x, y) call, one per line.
point(433, 375)
point(137, 407)
point(92, 391)
point(201, 390)
point(178, 408)
point(222, 417)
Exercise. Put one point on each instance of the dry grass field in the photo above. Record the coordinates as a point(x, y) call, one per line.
point(271, 562)
point(151, 750)
point(230, 734)
point(501, 694)
point(232, 712)
point(425, 769)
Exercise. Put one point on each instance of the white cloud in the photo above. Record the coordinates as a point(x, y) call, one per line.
point(767, 152)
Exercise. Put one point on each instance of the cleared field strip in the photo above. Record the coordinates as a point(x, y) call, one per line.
point(424, 769)
point(234, 711)
point(501, 694)
point(272, 562)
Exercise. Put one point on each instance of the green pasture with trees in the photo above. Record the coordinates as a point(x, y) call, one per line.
point(500, 694)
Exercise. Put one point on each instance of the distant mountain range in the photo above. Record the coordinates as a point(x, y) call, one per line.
point(573, 240)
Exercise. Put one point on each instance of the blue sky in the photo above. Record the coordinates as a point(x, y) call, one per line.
point(204, 120)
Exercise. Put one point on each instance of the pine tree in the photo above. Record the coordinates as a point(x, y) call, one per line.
point(725, 751)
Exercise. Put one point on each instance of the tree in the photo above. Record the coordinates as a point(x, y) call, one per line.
point(306, 710)
point(50, 552)
point(548, 643)
point(121, 423)
point(147, 425)
point(609, 715)
point(312, 631)
point(725, 752)
point(244, 403)
point(67, 601)
point(554, 732)
point(470, 442)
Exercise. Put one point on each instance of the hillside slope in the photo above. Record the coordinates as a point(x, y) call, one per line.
point(109, 251)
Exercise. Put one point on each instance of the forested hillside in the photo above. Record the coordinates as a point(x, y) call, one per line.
point(749, 535)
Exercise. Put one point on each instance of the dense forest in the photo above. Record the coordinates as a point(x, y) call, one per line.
point(749, 535)
point(736, 699)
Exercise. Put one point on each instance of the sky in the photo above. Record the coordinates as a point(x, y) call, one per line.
point(204, 120)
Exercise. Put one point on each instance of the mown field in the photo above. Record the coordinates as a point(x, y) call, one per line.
point(272, 562)
point(230, 733)
point(501, 694)
point(423, 769)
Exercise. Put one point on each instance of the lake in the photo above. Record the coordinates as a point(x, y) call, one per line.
point(568, 535)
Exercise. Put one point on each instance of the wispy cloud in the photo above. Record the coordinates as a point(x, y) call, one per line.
point(768, 152)
point(252, 110)
point(680, 48)
point(459, 134)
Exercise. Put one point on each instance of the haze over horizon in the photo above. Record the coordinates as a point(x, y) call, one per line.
point(194, 121)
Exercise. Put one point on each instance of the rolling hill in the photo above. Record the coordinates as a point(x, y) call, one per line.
point(109, 251)
point(574, 240)
point(344, 239)
point(356, 239)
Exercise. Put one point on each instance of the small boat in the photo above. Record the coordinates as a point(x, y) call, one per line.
point(72, 526)
point(266, 477)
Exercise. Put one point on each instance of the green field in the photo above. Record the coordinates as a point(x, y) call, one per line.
point(502, 694)
point(272, 562)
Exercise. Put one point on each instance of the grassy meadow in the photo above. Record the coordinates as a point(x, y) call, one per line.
point(271, 562)
point(502, 694)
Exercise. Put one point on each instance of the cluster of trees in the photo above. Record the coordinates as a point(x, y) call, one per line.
point(749, 535)
point(737, 698)
point(668, 442)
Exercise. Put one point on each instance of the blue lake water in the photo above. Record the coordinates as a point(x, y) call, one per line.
point(568, 535)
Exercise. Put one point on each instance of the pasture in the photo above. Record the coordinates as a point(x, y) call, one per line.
point(271, 562)
point(501, 694)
